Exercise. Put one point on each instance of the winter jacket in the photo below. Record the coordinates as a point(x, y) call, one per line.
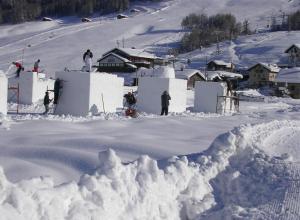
point(46, 100)
point(130, 99)
point(87, 53)
point(165, 98)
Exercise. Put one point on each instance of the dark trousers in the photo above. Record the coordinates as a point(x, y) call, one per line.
point(164, 110)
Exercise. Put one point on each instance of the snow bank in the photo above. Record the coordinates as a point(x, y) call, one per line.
point(3, 93)
point(32, 87)
point(151, 88)
point(85, 93)
point(234, 177)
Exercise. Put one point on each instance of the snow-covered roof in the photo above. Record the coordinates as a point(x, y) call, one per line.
point(221, 63)
point(115, 55)
point(294, 45)
point(135, 53)
point(220, 74)
point(289, 75)
point(187, 73)
point(271, 67)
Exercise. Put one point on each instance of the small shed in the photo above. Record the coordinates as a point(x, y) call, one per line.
point(191, 75)
point(3, 93)
point(220, 65)
point(85, 93)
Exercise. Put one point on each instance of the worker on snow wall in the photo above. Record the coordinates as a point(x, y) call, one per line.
point(87, 59)
point(47, 101)
point(165, 102)
point(19, 68)
point(36, 66)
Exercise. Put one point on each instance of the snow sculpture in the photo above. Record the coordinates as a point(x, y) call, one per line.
point(151, 88)
point(3, 93)
point(210, 97)
point(32, 87)
point(84, 93)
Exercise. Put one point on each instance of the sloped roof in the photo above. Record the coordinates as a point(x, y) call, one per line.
point(294, 45)
point(187, 73)
point(134, 53)
point(271, 67)
point(115, 55)
point(289, 75)
point(221, 63)
point(213, 74)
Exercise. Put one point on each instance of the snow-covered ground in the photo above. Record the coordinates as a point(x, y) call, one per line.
point(237, 166)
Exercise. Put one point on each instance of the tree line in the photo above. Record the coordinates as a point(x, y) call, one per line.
point(16, 11)
point(205, 30)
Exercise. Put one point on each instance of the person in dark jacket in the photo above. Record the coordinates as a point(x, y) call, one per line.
point(57, 87)
point(87, 59)
point(165, 101)
point(47, 101)
point(130, 99)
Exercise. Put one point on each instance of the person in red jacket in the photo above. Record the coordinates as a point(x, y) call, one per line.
point(19, 68)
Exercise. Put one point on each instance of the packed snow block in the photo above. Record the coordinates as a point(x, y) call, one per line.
point(32, 87)
point(151, 88)
point(3, 94)
point(85, 93)
point(209, 97)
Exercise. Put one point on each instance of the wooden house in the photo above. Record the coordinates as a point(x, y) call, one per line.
point(294, 55)
point(191, 75)
point(112, 62)
point(220, 65)
point(262, 74)
point(135, 58)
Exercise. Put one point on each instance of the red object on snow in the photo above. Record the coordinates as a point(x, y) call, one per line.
point(131, 113)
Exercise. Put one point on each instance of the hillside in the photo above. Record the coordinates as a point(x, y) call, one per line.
point(61, 43)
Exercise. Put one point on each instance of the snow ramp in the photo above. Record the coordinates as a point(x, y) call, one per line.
point(233, 179)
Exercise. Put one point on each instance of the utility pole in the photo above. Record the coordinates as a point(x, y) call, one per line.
point(118, 44)
point(123, 42)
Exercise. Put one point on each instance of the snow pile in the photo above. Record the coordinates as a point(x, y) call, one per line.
point(231, 175)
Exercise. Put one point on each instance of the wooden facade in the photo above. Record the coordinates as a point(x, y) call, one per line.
point(220, 65)
point(114, 63)
point(262, 75)
point(294, 55)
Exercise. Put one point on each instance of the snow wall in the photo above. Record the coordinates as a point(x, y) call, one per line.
point(3, 93)
point(86, 93)
point(230, 180)
point(206, 98)
point(32, 87)
point(150, 90)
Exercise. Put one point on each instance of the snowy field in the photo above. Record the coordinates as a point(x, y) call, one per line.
point(187, 166)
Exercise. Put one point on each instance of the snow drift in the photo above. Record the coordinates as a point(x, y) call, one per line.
point(233, 178)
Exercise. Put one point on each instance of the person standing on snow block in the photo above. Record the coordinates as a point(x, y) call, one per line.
point(57, 87)
point(87, 59)
point(46, 102)
point(19, 68)
point(36, 66)
point(165, 102)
